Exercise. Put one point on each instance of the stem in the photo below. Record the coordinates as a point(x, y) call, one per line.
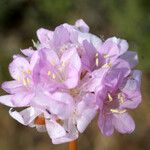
point(73, 145)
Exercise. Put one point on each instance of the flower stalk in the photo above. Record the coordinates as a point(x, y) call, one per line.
point(73, 145)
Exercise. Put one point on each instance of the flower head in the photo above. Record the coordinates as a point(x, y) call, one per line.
point(69, 77)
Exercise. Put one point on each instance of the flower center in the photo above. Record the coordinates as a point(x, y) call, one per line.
point(74, 92)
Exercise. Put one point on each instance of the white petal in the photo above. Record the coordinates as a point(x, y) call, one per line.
point(54, 129)
point(6, 100)
point(25, 117)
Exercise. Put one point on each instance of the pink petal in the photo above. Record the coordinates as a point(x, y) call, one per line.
point(18, 66)
point(61, 36)
point(73, 65)
point(82, 26)
point(132, 90)
point(105, 124)
point(96, 41)
point(131, 57)
point(12, 86)
point(22, 99)
point(44, 35)
point(28, 52)
point(51, 56)
point(61, 104)
point(123, 123)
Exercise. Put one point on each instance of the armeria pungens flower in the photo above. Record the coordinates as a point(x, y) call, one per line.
point(68, 77)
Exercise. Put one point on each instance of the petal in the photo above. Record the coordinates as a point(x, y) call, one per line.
point(35, 67)
point(6, 100)
point(122, 44)
point(61, 104)
point(22, 99)
point(116, 74)
point(131, 57)
point(71, 136)
point(54, 129)
point(82, 26)
point(44, 35)
point(28, 52)
point(96, 41)
point(110, 48)
point(132, 90)
point(61, 36)
point(114, 47)
point(73, 33)
point(34, 60)
point(72, 63)
point(88, 58)
point(71, 76)
point(50, 56)
point(87, 101)
point(84, 120)
point(86, 111)
point(26, 116)
point(71, 57)
point(105, 124)
point(18, 66)
point(95, 83)
point(136, 74)
point(123, 123)
point(12, 86)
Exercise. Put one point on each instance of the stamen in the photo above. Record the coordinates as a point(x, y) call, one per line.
point(119, 95)
point(53, 63)
point(96, 55)
point(118, 111)
point(121, 98)
point(24, 82)
point(110, 64)
point(96, 61)
point(107, 65)
point(28, 71)
point(110, 98)
point(28, 81)
point(63, 64)
point(53, 76)
point(105, 55)
point(19, 79)
point(49, 73)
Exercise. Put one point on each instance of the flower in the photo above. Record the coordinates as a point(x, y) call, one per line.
point(122, 94)
point(68, 77)
point(21, 88)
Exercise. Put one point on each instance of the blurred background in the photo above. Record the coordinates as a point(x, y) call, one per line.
point(129, 19)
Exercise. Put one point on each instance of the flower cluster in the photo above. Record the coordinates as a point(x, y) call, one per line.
point(70, 76)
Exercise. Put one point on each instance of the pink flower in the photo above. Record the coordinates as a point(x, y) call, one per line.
point(122, 94)
point(21, 88)
point(68, 78)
